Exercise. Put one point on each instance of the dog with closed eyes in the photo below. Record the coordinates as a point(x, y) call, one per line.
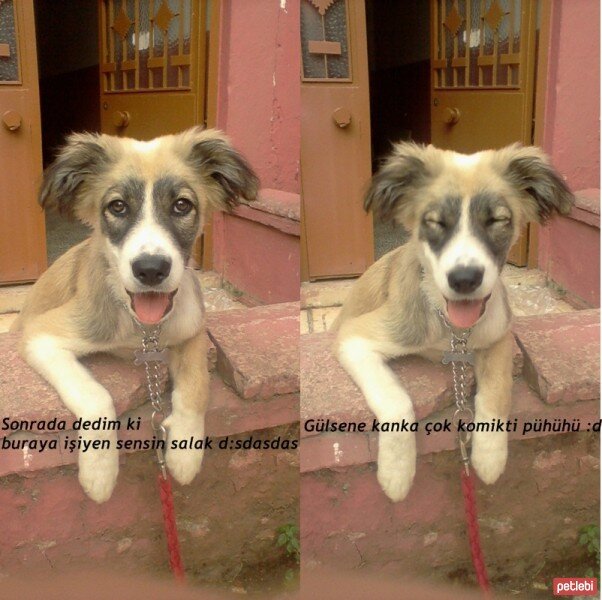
point(146, 203)
point(463, 212)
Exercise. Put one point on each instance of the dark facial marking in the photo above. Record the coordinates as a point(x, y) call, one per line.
point(439, 223)
point(488, 223)
point(181, 221)
point(116, 226)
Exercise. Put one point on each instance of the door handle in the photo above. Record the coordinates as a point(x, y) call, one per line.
point(342, 116)
point(121, 118)
point(451, 116)
point(11, 120)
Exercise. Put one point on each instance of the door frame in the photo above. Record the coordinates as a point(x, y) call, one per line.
point(545, 48)
point(28, 84)
point(204, 247)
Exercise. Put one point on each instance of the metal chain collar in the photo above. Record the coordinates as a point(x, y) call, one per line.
point(151, 356)
point(458, 357)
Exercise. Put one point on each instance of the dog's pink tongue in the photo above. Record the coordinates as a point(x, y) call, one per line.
point(464, 313)
point(150, 307)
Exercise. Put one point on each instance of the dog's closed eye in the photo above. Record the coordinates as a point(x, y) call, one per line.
point(501, 216)
point(434, 221)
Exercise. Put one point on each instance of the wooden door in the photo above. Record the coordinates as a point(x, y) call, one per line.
point(153, 65)
point(335, 139)
point(483, 69)
point(22, 230)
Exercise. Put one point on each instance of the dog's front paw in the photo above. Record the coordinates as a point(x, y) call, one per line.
point(98, 469)
point(396, 463)
point(489, 454)
point(184, 463)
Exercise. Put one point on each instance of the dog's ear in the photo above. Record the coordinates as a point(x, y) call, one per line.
point(229, 174)
point(393, 188)
point(543, 190)
point(64, 183)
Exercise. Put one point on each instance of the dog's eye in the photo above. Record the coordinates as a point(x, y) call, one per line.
point(118, 207)
point(182, 206)
point(497, 221)
point(434, 223)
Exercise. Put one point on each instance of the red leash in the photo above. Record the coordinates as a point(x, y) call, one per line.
point(171, 530)
point(151, 356)
point(472, 523)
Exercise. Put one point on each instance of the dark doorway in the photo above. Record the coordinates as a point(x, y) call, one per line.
point(68, 58)
point(399, 64)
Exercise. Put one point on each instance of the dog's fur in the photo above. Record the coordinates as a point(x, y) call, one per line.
point(142, 199)
point(463, 212)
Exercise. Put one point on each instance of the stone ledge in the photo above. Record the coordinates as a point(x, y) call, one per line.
point(227, 415)
point(279, 202)
point(550, 344)
point(328, 391)
point(336, 450)
point(562, 355)
point(257, 349)
point(274, 208)
point(26, 395)
point(587, 207)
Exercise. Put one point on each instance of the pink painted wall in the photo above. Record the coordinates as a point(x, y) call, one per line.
point(569, 247)
point(259, 102)
point(259, 107)
point(571, 133)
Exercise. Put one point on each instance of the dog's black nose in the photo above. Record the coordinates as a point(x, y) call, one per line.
point(151, 270)
point(465, 279)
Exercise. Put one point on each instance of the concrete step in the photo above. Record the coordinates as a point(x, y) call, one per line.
point(328, 392)
point(257, 349)
point(50, 524)
point(562, 355)
point(532, 514)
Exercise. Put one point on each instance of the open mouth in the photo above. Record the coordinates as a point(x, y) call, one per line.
point(151, 307)
point(465, 313)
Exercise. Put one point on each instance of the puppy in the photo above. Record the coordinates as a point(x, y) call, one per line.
point(146, 203)
point(463, 212)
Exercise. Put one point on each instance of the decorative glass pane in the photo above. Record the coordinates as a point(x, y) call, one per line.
point(148, 44)
point(314, 65)
point(144, 40)
point(476, 27)
point(491, 29)
point(9, 58)
point(460, 73)
point(335, 29)
point(324, 40)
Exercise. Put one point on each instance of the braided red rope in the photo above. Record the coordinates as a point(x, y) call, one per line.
point(473, 530)
point(171, 531)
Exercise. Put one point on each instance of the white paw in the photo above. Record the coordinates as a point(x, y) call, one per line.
point(184, 464)
point(98, 468)
point(489, 454)
point(396, 463)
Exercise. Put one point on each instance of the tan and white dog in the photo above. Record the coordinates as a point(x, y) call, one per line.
point(463, 212)
point(146, 203)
